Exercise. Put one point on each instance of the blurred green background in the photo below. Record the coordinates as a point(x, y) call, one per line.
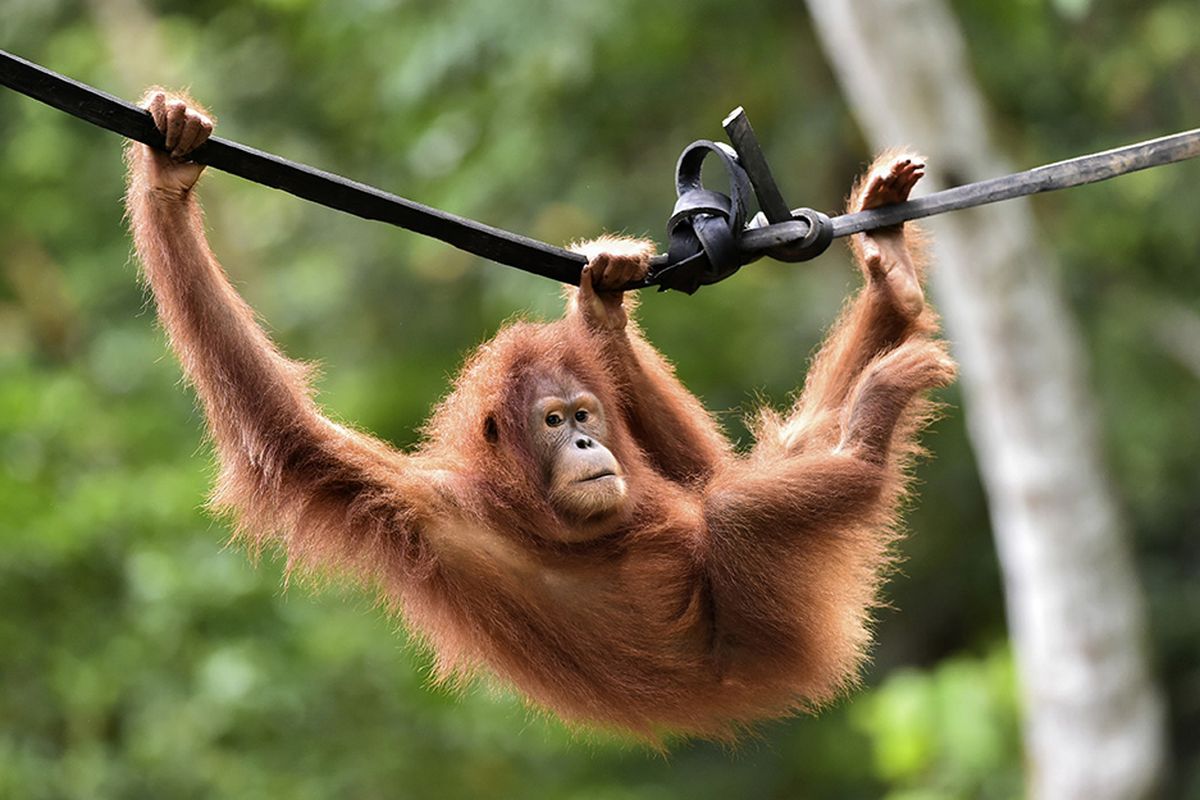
point(140, 657)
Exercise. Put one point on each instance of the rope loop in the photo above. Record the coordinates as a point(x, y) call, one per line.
point(705, 225)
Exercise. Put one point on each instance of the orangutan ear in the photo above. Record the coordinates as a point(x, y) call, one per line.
point(490, 430)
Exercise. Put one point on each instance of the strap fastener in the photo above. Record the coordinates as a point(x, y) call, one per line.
point(708, 232)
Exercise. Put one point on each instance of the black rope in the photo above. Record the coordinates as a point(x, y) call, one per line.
point(705, 225)
point(1050, 177)
point(710, 235)
point(312, 184)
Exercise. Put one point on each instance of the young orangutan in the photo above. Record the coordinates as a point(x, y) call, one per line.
point(575, 522)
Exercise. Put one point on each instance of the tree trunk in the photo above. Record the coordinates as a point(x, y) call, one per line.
point(1093, 715)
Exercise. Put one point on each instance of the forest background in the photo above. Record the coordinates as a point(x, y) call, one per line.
point(140, 656)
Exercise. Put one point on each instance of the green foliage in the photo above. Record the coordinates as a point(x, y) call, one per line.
point(946, 733)
point(139, 657)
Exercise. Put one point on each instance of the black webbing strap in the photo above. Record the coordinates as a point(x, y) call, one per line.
point(704, 227)
point(710, 237)
point(707, 230)
point(303, 181)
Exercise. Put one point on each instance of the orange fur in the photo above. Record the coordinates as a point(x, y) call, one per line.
point(731, 588)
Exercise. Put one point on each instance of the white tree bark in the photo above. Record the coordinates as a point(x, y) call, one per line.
point(1093, 714)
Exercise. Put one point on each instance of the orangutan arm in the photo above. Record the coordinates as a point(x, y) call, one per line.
point(333, 496)
point(669, 423)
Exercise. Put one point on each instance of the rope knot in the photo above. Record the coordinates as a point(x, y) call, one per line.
point(705, 225)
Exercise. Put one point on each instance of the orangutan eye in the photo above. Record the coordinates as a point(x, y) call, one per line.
point(581, 415)
point(553, 420)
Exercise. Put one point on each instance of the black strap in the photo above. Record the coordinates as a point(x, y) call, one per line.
point(708, 232)
point(709, 236)
point(1049, 177)
point(705, 226)
point(331, 190)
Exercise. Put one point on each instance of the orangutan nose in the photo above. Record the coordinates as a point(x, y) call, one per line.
point(583, 443)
